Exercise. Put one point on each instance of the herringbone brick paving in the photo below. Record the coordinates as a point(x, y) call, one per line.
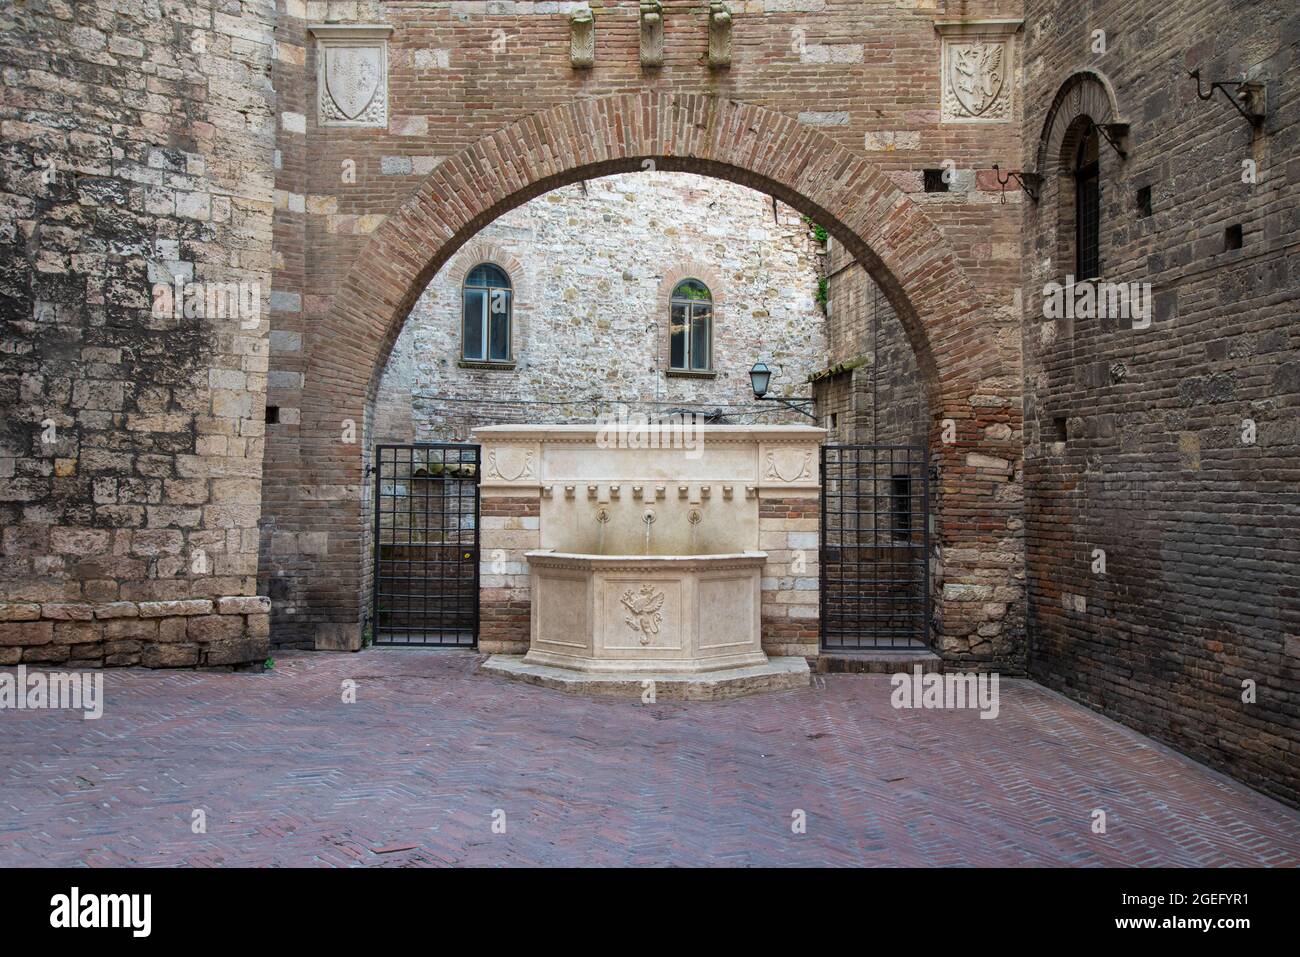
point(412, 772)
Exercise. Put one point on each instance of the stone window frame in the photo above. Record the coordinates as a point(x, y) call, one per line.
point(668, 283)
point(471, 255)
point(1085, 99)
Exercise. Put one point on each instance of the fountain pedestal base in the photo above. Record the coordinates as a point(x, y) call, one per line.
point(776, 674)
point(635, 614)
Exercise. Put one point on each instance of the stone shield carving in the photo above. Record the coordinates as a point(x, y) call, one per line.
point(976, 80)
point(352, 81)
point(510, 463)
point(977, 74)
point(788, 465)
point(352, 75)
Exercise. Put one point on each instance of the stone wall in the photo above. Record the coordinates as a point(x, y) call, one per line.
point(1139, 434)
point(592, 267)
point(137, 150)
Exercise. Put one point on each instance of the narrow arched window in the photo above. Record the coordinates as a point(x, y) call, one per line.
point(1087, 207)
point(485, 314)
point(691, 327)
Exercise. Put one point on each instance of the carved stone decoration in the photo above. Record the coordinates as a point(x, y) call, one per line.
point(652, 33)
point(977, 66)
point(582, 40)
point(351, 74)
point(510, 464)
point(788, 465)
point(644, 616)
point(719, 35)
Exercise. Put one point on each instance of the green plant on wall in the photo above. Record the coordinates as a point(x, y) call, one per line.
point(822, 292)
point(819, 232)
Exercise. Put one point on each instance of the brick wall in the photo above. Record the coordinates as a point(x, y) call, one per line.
point(136, 151)
point(461, 73)
point(1135, 435)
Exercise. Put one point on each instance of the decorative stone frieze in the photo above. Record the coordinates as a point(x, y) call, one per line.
point(351, 74)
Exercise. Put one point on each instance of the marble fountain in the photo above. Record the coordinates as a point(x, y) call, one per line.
point(648, 572)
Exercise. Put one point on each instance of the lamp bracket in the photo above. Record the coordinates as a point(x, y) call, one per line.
point(1249, 96)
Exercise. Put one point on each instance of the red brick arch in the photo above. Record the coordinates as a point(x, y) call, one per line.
point(756, 147)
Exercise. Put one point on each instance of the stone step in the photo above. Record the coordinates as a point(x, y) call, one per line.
point(879, 661)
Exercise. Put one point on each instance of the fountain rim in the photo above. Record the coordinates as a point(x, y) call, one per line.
point(581, 431)
point(570, 559)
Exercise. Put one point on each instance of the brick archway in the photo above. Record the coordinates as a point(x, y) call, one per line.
point(904, 253)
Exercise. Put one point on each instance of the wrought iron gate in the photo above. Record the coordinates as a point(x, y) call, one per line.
point(875, 547)
point(426, 544)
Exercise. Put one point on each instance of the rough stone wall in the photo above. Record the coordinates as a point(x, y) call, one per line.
point(136, 150)
point(592, 267)
point(1135, 435)
point(864, 74)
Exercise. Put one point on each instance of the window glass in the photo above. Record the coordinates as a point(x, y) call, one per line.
point(499, 325)
point(474, 300)
point(1087, 197)
point(700, 319)
point(485, 316)
point(690, 333)
point(677, 340)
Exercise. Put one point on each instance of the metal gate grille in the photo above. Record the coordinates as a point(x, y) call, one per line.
point(875, 572)
point(426, 544)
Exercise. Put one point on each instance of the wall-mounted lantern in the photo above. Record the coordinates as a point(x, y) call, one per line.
point(760, 378)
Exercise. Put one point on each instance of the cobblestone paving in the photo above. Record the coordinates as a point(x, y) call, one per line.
point(412, 773)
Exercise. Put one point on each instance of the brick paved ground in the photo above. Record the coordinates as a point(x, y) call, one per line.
point(412, 772)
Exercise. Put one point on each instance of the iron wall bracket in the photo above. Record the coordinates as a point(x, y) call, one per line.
point(1250, 97)
point(1029, 182)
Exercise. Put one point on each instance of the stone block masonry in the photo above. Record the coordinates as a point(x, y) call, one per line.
point(233, 630)
point(141, 145)
point(137, 152)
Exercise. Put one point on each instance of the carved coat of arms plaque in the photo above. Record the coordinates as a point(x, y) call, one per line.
point(976, 81)
point(352, 76)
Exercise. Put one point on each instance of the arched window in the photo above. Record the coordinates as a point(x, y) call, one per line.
point(691, 329)
point(485, 314)
point(1087, 207)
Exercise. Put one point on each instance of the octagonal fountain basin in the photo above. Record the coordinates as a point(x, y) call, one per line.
point(643, 614)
